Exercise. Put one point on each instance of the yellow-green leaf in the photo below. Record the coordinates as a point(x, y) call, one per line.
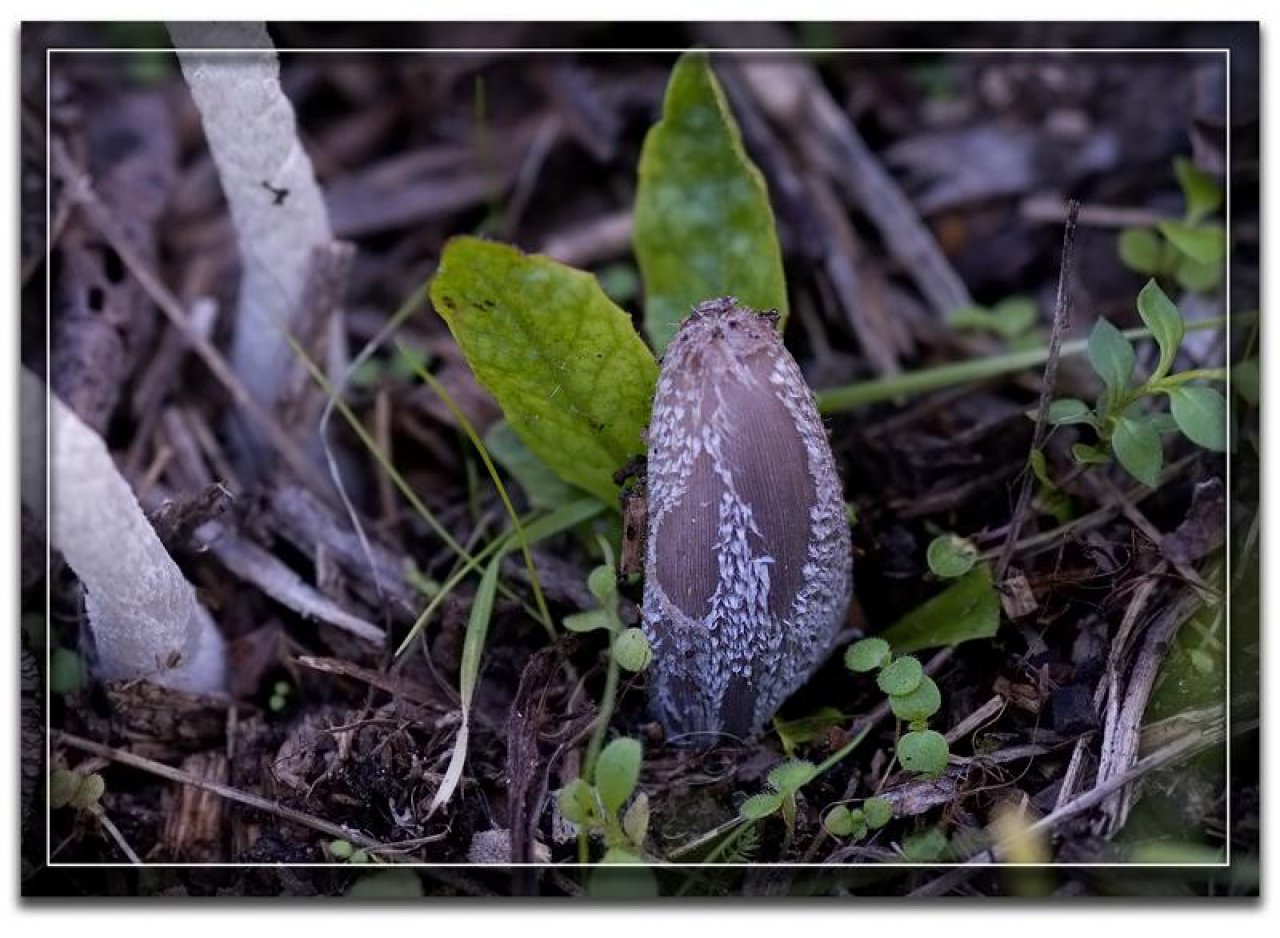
point(703, 225)
point(573, 378)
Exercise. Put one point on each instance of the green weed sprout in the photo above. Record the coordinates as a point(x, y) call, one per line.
point(598, 810)
point(1012, 319)
point(346, 850)
point(785, 780)
point(1124, 423)
point(1189, 251)
point(913, 698)
point(856, 823)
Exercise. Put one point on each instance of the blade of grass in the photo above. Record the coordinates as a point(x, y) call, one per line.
point(478, 629)
point(467, 428)
point(562, 519)
point(469, 674)
point(862, 393)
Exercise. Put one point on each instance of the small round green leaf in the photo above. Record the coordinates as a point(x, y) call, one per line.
point(923, 751)
point(920, 704)
point(1139, 250)
point(878, 812)
point(867, 655)
point(950, 556)
point(791, 775)
point(1201, 414)
point(577, 802)
point(341, 849)
point(1165, 322)
point(838, 822)
point(631, 650)
point(603, 583)
point(901, 677)
point(925, 846)
point(760, 806)
point(617, 771)
point(1137, 446)
point(90, 791)
point(63, 785)
point(1111, 355)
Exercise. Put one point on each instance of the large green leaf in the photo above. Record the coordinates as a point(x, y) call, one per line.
point(967, 609)
point(1137, 446)
point(573, 378)
point(703, 226)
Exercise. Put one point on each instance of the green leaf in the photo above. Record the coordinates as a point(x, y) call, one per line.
point(635, 822)
point(1111, 355)
point(760, 806)
point(589, 621)
point(573, 378)
point(90, 791)
point(398, 883)
point(703, 226)
point(1139, 250)
point(901, 677)
point(1206, 244)
point(925, 846)
point(972, 318)
point(1087, 455)
point(543, 487)
point(617, 771)
point(341, 849)
point(791, 775)
point(1165, 322)
point(1197, 277)
point(1137, 446)
point(1202, 192)
point(950, 556)
point(1015, 316)
point(838, 821)
point(867, 655)
point(63, 785)
point(967, 609)
point(1066, 411)
point(577, 802)
point(631, 650)
point(923, 751)
point(878, 812)
point(603, 583)
point(919, 704)
point(1201, 414)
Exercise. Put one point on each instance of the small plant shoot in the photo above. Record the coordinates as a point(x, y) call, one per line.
point(1126, 420)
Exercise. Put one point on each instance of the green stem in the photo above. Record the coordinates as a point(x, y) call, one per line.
point(850, 396)
point(606, 714)
point(1182, 377)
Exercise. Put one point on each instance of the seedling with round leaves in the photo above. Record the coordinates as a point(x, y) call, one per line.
point(1124, 420)
point(913, 697)
point(601, 810)
point(855, 823)
point(785, 781)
